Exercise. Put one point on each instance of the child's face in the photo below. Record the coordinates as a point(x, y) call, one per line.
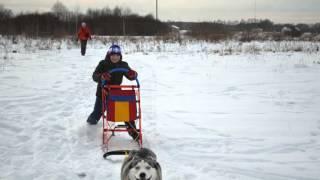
point(115, 58)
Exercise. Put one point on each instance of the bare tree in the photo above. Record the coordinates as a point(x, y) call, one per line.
point(117, 11)
point(5, 16)
point(5, 13)
point(60, 10)
point(106, 11)
point(126, 11)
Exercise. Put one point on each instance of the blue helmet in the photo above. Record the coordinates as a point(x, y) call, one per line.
point(114, 49)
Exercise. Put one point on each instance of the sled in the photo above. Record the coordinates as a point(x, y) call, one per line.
point(120, 109)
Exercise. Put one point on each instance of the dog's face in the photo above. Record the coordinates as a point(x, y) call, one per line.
point(143, 171)
point(141, 165)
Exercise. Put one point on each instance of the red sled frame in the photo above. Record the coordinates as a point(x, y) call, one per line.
point(110, 126)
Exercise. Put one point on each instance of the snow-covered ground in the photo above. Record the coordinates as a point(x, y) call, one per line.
point(239, 117)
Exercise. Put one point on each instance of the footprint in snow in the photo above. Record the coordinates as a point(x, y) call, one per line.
point(314, 134)
point(82, 175)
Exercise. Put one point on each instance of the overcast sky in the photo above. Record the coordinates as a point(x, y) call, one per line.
point(280, 11)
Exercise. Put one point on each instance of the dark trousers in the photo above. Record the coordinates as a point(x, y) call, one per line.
point(83, 47)
point(97, 113)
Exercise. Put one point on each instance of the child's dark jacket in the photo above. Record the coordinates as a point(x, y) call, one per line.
point(116, 77)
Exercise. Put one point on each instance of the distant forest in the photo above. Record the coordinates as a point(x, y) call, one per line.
point(61, 22)
point(221, 29)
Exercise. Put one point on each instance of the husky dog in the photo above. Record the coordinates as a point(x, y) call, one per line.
point(141, 165)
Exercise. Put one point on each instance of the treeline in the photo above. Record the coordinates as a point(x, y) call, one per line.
point(217, 30)
point(62, 22)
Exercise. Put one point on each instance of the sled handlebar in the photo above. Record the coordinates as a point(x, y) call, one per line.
point(118, 152)
point(118, 70)
point(104, 82)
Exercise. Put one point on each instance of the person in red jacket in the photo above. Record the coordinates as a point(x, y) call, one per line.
point(83, 35)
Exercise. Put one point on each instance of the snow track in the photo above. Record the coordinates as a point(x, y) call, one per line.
point(206, 116)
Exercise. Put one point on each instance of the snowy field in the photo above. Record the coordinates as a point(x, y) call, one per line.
point(207, 115)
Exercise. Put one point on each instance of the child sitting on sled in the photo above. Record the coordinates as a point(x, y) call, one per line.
point(112, 60)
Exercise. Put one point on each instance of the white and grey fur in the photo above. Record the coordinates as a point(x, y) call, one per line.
point(141, 165)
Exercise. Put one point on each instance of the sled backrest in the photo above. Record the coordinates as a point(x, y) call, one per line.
point(121, 105)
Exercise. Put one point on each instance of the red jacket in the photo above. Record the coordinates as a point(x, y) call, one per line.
point(84, 33)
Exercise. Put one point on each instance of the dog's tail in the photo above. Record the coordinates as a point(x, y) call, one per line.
point(118, 152)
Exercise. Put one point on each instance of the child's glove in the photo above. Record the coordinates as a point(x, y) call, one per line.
point(132, 74)
point(106, 76)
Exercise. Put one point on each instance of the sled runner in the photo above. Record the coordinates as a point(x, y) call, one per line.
point(121, 110)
